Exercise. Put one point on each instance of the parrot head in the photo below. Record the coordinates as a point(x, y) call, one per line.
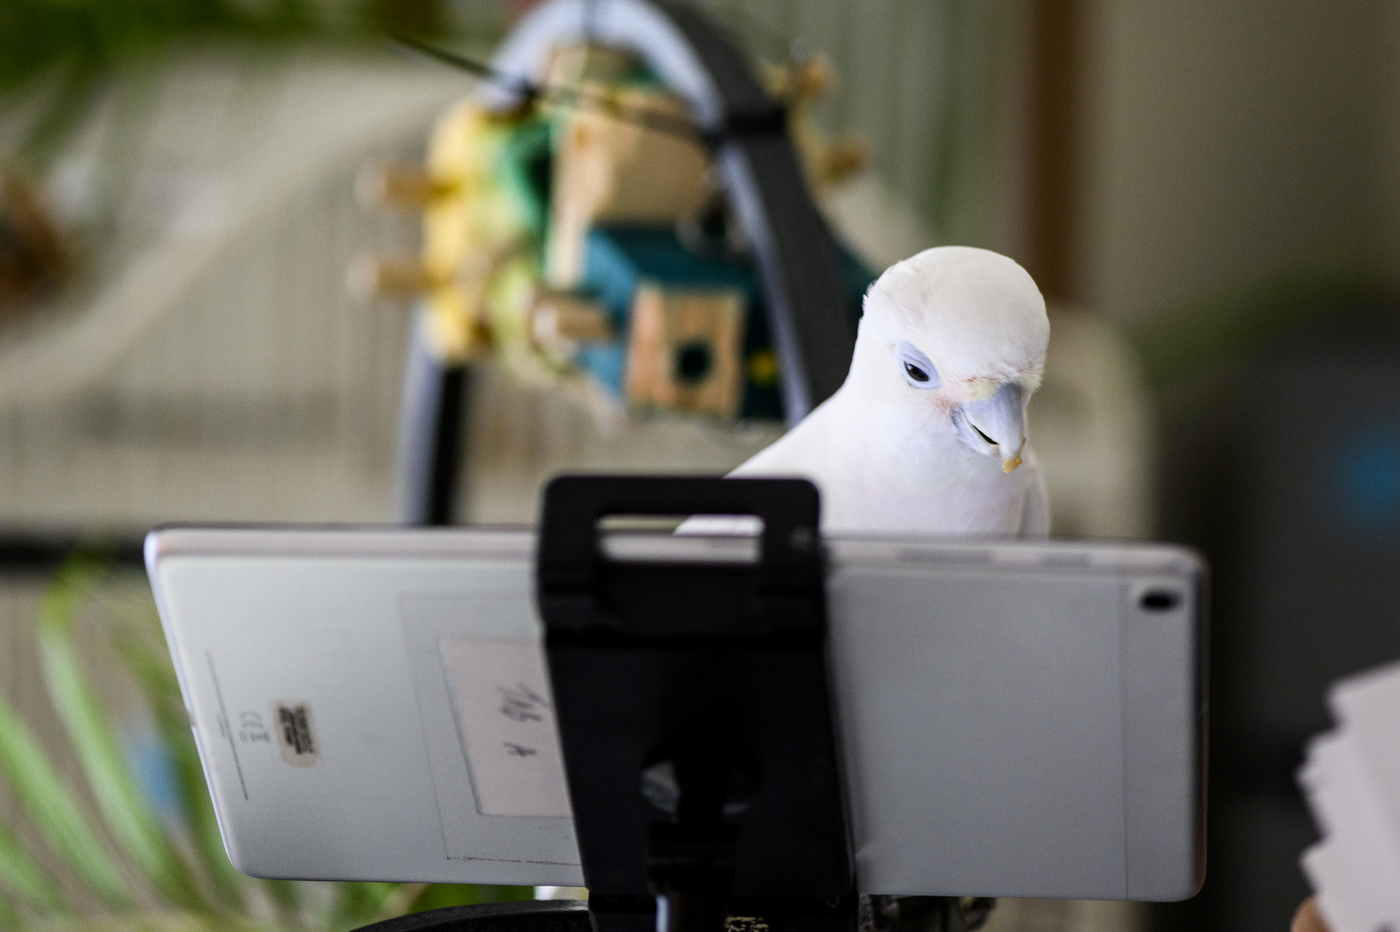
point(954, 339)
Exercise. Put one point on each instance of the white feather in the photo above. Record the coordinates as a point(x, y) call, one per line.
point(885, 451)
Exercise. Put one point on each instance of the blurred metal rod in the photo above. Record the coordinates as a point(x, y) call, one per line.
point(813, 330)
point(431, 426)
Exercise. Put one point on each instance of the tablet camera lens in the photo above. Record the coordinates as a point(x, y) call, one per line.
point(1158, 600)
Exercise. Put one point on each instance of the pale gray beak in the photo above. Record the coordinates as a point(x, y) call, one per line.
point(995, 426)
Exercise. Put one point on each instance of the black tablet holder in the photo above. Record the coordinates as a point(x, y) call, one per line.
point(694, 711)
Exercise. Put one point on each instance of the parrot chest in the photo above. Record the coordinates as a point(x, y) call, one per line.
point(944, 490)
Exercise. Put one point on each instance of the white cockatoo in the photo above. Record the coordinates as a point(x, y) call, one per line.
point(928, 433)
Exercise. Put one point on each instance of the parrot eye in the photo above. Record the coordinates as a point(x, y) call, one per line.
point(917, 369)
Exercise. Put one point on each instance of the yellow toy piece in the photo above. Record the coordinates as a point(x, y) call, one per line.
point(471, 230)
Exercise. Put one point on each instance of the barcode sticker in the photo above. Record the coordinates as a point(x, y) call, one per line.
point(500, 695)
point(295, 736)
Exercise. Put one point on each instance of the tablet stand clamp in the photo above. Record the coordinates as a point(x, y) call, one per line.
point(694, 712)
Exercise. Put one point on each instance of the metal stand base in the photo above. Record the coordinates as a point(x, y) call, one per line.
point(432, 422)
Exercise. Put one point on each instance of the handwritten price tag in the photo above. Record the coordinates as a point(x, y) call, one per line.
point(500, 694)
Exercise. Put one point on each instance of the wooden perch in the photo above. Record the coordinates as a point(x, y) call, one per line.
point(559, 320)
point(374, 277)
point(607, 170)
point(398, 187)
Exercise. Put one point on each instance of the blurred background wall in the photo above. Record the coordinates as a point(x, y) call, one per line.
point(1231, 144)
point(1239, 220)
point(1207, 193)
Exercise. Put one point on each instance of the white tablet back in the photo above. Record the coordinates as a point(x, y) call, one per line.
point(1016, 719)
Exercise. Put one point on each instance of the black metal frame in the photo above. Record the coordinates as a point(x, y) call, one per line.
point(432, 418)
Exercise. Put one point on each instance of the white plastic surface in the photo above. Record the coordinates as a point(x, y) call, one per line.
point(1013, 722)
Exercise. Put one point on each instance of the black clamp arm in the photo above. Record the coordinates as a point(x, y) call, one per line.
point(694, 711)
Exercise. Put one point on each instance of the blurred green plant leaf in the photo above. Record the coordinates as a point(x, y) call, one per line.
point(199, 890)
point(354, 901)
point(35, 34)
point(20, 875)
point(130, 817)
point(442, 895)
point(52, 809)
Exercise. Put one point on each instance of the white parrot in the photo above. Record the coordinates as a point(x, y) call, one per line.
point(928, 431)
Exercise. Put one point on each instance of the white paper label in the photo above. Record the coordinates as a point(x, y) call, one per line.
point(500, 695)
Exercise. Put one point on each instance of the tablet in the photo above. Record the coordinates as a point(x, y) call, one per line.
point(1015, 718)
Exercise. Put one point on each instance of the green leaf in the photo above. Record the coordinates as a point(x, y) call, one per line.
point(21, 875)
point(440, 895)
point(48, 804)
point(128, 813)
point(357, 903)
point(286, 896)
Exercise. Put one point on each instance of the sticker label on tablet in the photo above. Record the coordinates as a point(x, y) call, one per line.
point(500, 695)
point(295, 737)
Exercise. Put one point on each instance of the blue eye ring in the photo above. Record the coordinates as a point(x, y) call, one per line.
point(915, 366)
